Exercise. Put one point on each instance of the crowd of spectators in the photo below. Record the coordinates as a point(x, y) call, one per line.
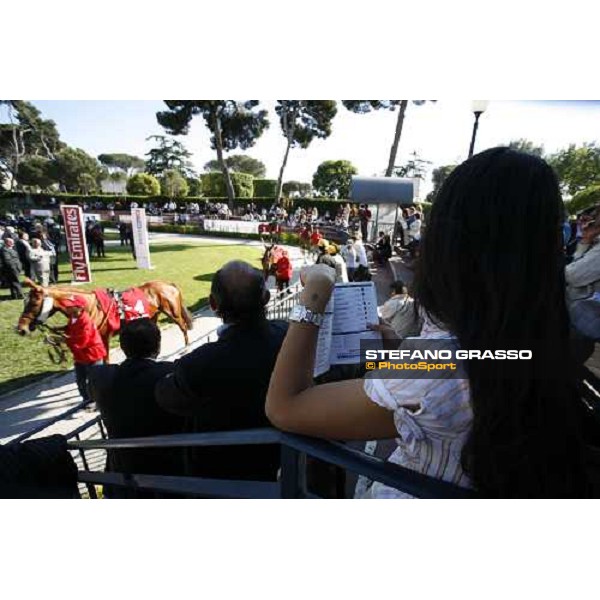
point(28, 248)
point(498, 268)
point(506, 431)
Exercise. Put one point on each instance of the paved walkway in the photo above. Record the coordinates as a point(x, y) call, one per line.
point(26, 408)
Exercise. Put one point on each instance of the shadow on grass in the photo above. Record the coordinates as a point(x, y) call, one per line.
point(205, 277)
point(101, 270)
point(199, 304)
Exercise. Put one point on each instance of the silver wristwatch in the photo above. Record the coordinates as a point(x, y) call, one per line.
point(301, 314)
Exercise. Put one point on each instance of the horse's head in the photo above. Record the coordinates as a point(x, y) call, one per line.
point(34, 308)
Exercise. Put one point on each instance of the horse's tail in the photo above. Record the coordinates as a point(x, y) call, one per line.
point(187, 315)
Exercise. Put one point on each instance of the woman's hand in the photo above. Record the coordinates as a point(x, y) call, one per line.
point(318, 283)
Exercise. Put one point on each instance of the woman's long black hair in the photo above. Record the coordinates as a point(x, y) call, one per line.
point(492, 272)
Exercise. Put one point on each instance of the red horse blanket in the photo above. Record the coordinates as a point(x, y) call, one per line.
point(133, 305)
point(109, 307)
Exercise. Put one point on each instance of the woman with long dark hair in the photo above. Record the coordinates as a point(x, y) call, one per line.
point(490, 276)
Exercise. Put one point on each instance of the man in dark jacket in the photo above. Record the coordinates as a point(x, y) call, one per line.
point(23, 249)
point(125, 397)
point(11, 268)
point(222, 385)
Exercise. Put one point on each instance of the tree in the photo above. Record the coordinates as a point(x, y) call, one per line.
point(173, 184)
point(87, 183)
point(68, 167)
point(438, 176)
point(333, 177)
point(365, 106)
point(36, 171)
point(195, 186)
point(115, 178)
point(25, 134)
point(527, 146)
point(584, 199)
point(213, 184)
point(240, 163)
point(126, 163)
point(577, 168)
point(143, 184)
point(301, 122)
point(168, 155)
point(415, 167)
point(232, 125)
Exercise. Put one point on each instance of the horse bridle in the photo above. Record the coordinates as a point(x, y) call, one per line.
point(47, 306)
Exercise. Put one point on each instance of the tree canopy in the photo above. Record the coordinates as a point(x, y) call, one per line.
point(239, 163)
point(438, 176)
point(232, 124)
point(143, 184)
point(301, 122)
point(333, 177)
point(366, 106)
point(303, 189)
point(527, 146)
point(76, 170)
point(169, 154)
point(26, 134)
point(173, 184)
point(577, 167)
point(124, 162)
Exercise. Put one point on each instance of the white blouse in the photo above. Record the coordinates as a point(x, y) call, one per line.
point(433, 418)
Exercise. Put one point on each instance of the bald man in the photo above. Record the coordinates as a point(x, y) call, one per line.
point(222, 385)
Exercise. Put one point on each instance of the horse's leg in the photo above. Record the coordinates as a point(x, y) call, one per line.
point(174, 309)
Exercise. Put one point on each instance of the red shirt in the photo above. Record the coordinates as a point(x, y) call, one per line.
point(84, 341)
point(315, 238)
point(284, 268)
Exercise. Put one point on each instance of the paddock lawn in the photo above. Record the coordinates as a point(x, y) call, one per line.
point(191, 266)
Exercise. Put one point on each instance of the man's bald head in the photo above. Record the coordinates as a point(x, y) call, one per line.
point(238, 293)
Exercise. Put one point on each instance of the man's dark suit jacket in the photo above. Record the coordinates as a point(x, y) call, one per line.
point(125, 397)
point(222, 386)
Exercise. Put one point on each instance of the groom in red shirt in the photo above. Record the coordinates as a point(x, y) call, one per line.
point(84, 341)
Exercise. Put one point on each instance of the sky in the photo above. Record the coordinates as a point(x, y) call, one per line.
point(439, 132)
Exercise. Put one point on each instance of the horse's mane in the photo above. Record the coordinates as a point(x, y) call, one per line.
point(68, 289)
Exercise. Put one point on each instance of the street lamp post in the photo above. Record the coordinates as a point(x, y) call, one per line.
point(478, 107)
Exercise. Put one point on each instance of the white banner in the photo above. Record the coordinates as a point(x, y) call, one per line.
point(40, 212)
point(140, 238)
point(150, 218)
point(231, 226)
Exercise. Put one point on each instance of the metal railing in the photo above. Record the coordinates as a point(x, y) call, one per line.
point(278, 308)
point(292, 478)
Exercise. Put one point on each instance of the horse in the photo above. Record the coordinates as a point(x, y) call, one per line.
point(269, 265)
point(269, 261)
point(44, 302)
point(97, 239)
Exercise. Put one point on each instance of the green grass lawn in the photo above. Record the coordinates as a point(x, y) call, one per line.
point(191, 266)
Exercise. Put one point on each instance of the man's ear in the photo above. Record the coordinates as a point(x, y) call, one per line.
point(213, 303)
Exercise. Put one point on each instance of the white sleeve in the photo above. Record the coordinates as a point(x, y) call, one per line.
point(395, 393)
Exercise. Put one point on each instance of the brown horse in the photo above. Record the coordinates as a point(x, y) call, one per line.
point(269, 265)
point(43, 302)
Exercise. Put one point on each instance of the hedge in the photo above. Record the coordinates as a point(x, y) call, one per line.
point(584, 199)
point(213, 184)
point(265, 187)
